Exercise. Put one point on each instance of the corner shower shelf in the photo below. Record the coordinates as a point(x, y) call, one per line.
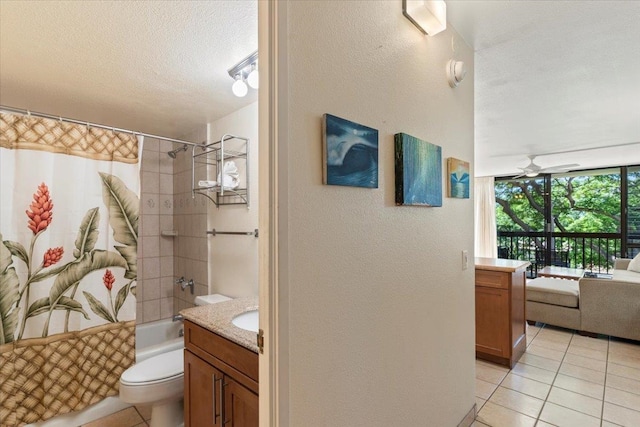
point(211, 159)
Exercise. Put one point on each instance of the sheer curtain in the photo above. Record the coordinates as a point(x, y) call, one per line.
point(485, 218)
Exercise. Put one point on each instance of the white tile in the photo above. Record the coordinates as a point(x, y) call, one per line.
point(545, 352)
point(555, 334)
point(608, 424)
point(565, 417)
point(492, 365)
point(588, 342)
point(582, 373)
point(496, 415)
point(526, 386)
point(485, 373)
point(579, 386)
point(539, 362)
point(533, 373)
point(516, 401)
point(619, 415)
point(585, 362)
point(543, 424)
point(479, 403)
point(625, 360)
point(624, 347)
point(587, 352)
point(623, 371)
point(550, 344)
point(622, 383)
point(484, 389)
point(622, 398)
point(577, 402)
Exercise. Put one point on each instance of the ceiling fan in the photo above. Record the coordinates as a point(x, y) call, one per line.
point(532, 169)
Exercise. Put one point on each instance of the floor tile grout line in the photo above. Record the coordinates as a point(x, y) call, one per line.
point(604, 389)
point(552, 382)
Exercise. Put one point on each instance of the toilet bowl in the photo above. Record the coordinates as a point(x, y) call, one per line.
point(159, 381)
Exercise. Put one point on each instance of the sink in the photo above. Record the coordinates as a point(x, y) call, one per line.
point(247, 321)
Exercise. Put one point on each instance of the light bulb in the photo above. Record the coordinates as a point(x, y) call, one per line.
point(239, 87)
point(253, 79)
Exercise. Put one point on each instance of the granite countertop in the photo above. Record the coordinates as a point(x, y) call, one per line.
point(217, 318)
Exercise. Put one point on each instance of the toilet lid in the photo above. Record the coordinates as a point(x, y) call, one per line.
point(162, 366)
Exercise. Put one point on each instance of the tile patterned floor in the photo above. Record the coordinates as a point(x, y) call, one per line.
point(563, 379)
point(135, 416)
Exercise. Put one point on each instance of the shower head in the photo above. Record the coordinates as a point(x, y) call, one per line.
point(173, 153)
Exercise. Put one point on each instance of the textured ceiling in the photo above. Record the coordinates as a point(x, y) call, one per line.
point(550, 76)
point(151, 66)
point(553, 76)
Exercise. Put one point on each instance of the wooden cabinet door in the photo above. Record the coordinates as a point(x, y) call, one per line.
point(240, 405)
point(202, 397)
point(492, 321)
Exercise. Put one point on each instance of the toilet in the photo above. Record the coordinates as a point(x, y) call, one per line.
point(159, 381)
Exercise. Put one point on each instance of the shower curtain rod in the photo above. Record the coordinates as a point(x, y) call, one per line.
point(95, 125)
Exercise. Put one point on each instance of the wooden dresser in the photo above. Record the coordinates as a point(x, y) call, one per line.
point(500, 310)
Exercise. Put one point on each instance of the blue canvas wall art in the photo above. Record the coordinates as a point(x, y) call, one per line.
point(418, 171)
point(350, 153)
point(457, 178)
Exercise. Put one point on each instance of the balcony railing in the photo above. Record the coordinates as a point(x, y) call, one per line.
point(590, 251)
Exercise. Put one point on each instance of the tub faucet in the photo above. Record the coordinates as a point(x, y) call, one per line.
point(178, 317)
point(184, 285)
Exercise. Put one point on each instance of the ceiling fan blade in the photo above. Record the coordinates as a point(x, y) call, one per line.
point(559, 168)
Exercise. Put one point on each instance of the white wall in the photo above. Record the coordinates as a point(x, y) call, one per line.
point(380, 313)
point(233, 260)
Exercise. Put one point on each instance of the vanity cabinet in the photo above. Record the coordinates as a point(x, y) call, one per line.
point(221, 381)
point(500, 310)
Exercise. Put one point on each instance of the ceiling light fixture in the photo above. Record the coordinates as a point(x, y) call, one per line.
point(239, 87)
point(245, 71)
point(430, 16)
point(253, 79)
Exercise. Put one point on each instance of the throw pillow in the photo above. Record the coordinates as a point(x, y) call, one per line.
point(634, 265)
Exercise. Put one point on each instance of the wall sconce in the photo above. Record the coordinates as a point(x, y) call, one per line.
point(455, 72)
point(245, 72)
point(430, 16)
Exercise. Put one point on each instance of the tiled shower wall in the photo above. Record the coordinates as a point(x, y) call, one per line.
point(190, 221)
point(155, 286)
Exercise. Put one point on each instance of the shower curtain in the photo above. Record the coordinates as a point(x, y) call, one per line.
point(69, 207)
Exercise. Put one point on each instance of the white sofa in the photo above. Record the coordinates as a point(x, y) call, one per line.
point(589, 305)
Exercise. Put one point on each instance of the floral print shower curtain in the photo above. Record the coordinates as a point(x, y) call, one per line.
point(69, 207)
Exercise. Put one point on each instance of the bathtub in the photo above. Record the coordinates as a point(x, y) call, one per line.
point(151, 339)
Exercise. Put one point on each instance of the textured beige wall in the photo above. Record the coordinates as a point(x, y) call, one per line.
point(381, 314)
point(233, 260)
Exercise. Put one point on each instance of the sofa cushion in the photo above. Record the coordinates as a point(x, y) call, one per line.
point(553, 291)
point(634, 265)
point(626, 276)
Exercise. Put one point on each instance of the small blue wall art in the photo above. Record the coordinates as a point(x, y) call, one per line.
point(418, 171)
point(350, 153)
point(457, 178)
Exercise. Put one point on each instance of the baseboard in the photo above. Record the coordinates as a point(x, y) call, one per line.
point(468, 419)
